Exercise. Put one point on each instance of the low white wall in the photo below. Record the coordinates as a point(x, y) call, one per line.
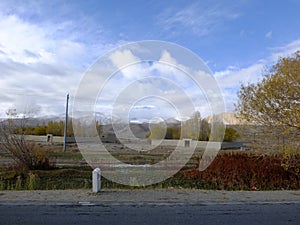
point(181, 143)
point(43, 138)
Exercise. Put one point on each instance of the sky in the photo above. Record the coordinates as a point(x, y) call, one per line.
point(46, 47)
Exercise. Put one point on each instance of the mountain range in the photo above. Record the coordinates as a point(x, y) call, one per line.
point(228, 119)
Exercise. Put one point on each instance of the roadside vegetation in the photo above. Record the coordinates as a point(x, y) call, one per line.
point(229, 171)
point(195, 128)
point(24, 153)
point(271, 107)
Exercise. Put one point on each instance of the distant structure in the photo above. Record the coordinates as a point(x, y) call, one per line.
point(49, 139)
point(108, 138)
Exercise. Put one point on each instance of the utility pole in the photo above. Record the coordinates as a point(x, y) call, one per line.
point(66, 124)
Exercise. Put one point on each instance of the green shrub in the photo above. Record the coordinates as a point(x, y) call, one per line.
point(18, 185)
point(33, 181)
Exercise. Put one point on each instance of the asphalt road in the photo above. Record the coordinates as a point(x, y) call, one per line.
point(271, 213)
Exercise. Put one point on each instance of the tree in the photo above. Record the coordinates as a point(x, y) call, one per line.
point(56, 128)
point(98, 127)
point(157, 132)
point(40, 130)
point(70, 131)
point(13, 142)
point(50, 127)
point(173, 133)
point(204, 130)
point(190, 128)
point(275, 100)
point(230, 134)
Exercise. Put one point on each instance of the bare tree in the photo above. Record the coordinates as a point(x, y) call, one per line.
point(13, 142)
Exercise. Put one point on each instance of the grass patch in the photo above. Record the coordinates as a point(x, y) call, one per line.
point(229, 171)
point(73, 156)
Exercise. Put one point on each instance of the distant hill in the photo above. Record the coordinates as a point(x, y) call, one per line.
point(33, 122)
point(140, 128)
point(228, 118)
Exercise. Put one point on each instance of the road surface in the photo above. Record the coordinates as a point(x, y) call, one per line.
point(157, 206)
point(86, 213)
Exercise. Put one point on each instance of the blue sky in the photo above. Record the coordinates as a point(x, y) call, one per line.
point(46, 46)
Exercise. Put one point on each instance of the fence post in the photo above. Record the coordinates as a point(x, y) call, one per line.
point(96, 180)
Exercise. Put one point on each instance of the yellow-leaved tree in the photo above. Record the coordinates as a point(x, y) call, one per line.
point(273, 104)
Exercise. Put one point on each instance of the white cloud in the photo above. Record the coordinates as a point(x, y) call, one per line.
point(144, 106)
point(126, 62)
point(35, 65)
point(166, 57)
point(199, 18)
point(18, 38)
point(43, 59)
point(163, 82)
point(121, 58)
point(38, 66)
point(284, 51)
point(231, 78)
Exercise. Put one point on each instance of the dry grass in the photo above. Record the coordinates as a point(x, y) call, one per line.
point(229, 171)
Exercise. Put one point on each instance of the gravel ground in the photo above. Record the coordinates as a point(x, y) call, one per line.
point(147, 196)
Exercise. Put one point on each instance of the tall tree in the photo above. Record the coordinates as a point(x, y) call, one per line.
point(275, 100)
point(190, 128)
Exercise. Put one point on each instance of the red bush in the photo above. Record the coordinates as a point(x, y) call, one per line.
point(243, 171)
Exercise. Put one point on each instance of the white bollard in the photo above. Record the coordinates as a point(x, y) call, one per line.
point(96, 180)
